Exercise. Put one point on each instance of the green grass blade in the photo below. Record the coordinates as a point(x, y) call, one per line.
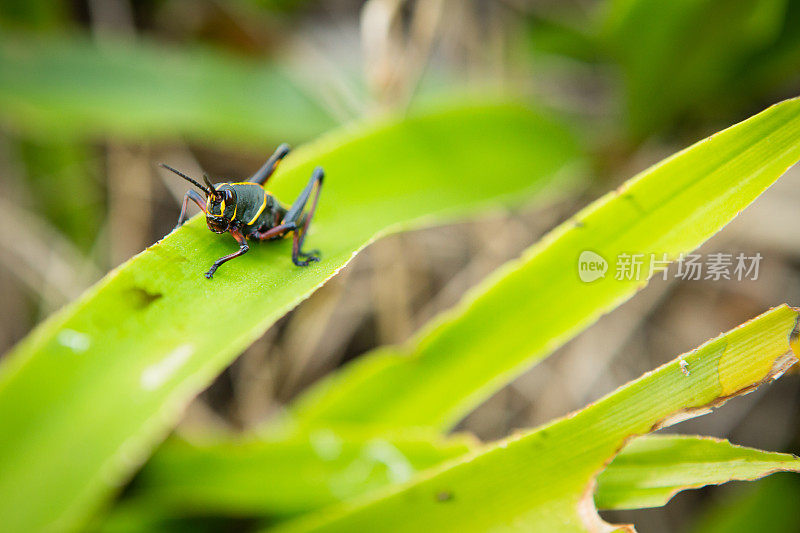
point(89, 392)
point(536, 303)
point(651, 470)
point(72, 87)
point(543, 480)
point(285, 475)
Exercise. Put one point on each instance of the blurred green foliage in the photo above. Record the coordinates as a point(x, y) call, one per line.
point(684, 63)
point(64, 186)
point(766, 506)
point(33, 14)
point(679, 58)
point(71, 87)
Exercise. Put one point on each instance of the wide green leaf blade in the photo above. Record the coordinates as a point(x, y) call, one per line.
point(543, 480)
point(89, 392)
point(302, 472)
point(651, 470)
point(286, 474)
point(72, 87)
point(536, 303)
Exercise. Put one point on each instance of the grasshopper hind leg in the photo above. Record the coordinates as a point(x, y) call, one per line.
point(269, 167)
point(301, 221)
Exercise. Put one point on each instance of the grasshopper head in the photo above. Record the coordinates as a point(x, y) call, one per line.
point(220, 202)
point(220, 208)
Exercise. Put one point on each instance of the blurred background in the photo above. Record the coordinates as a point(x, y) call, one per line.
point(94, 93)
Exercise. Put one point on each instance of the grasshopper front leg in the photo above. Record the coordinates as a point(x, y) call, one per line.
point(243, 248)
point(196, 198)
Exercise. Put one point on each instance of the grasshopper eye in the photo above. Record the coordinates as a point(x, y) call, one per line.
point(228, 196)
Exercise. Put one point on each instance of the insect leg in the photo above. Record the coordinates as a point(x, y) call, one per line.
point(196, 198)
point(277, 231)
point(237, 234)
point(269, 167)
point(299, 257)
point(313, 255)
point(293, 215)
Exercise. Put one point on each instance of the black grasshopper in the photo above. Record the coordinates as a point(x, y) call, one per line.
point(247, 211)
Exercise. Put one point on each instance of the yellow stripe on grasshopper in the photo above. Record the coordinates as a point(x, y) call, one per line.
point(260, 210)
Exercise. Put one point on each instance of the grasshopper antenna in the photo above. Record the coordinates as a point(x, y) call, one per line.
point(211, 192)
point(210, 185)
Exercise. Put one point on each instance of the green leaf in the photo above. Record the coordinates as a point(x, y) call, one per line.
point(301, 472)
point(283, 475)
point(534, 304)
point(72, 87)
point(543, 480)
point(90, 391)
point(651, 470)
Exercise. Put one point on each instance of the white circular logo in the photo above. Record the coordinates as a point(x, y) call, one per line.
point(591, 266)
